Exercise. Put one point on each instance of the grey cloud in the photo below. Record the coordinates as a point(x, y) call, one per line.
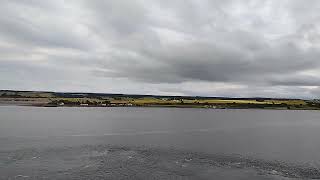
point(116, 19)
point(266, 48)
point(37, 28)
point(207, 62)
point(296, 80)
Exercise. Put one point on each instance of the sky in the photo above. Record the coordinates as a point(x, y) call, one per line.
point(238, 48)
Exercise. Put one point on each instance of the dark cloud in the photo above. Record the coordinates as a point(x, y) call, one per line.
point(236, 48)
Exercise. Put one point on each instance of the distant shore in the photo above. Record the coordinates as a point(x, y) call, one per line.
point(44, 103)
point(56, 99)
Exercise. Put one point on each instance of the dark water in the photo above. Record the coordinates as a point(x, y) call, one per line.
point(280, 142)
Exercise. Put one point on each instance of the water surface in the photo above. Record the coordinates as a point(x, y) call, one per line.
point(267, 135)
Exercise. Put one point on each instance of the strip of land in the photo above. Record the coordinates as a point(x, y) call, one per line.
point(60, 99)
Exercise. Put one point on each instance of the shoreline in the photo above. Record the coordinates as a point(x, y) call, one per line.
point(154, 106)
point(38, 99)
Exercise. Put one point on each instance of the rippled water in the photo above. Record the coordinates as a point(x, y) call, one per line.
point(279, 142)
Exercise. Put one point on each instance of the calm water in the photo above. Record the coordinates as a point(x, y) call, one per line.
point(286, 135)
point(289, 136)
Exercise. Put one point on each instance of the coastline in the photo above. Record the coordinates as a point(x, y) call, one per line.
point(61, 99)
point(41, 104)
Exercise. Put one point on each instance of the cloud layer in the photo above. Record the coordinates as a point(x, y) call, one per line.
point(212, 48)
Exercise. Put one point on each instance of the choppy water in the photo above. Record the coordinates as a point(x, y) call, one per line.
point(39, 143)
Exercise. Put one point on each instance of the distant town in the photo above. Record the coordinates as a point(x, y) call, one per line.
point(62, 99)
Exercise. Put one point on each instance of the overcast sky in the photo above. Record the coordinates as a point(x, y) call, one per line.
point(166, 47)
